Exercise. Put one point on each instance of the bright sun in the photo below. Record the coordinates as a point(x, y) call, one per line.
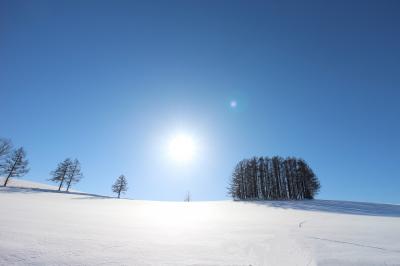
point(182, 148)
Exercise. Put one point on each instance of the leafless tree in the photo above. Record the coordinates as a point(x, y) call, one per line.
point(120, 185)
point(59, 175)
point(5, 147)
point(74, 174)
point(15, 165)
point(188, 197)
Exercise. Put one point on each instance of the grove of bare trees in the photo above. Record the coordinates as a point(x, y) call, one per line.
point(273, 178)
point(67, 173)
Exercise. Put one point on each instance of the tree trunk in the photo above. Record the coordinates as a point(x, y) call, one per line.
point(9, 174)
point(69, 184)
point(61, 183)
point(5, 182)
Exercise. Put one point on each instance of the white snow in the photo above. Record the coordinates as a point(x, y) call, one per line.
point(43, 227)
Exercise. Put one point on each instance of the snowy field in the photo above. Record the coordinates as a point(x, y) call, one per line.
point(42, 227)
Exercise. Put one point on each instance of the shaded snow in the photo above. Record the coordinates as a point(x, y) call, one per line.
point(22, 183)
point(31, 185)
point(41, 227)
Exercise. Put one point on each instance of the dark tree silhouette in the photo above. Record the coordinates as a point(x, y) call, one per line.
point(74, 174)
point(15, 165)
point(273, 178)
point(120, 185)
point(5, 147)
point(59, 175)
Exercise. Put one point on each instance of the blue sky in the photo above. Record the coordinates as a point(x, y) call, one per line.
point(110, 82)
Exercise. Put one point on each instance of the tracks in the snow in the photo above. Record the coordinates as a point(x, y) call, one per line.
point(353, 244)
point(347, 242)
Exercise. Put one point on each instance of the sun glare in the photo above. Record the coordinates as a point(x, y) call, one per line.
point(182, 148)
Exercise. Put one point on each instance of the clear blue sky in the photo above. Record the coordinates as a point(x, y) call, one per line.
point(109, 82)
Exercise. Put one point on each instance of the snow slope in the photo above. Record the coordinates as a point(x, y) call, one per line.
point(43, 227)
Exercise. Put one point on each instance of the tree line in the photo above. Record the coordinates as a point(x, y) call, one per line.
point(256, 178)
point(13, 163)
point(273, 178)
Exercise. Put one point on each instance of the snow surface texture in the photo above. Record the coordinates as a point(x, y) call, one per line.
point(41, 227)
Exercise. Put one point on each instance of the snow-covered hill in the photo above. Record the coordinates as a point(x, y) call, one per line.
point(42, 227)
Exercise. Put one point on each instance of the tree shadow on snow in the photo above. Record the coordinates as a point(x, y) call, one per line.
point(14, 189)
point(334, 206)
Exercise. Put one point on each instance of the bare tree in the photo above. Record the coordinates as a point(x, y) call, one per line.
point(59, 175)
point(5, 147)
point(15, 165)
point(120, 185)
point(74, 174)
point(188, 197)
